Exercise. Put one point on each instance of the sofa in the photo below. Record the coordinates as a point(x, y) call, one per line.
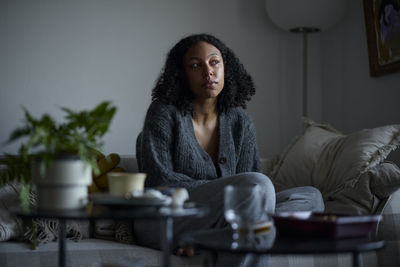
point(351, 171)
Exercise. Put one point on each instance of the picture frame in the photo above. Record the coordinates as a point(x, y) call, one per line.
point(383, 35)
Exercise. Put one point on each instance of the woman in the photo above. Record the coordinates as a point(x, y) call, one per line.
point(196, 135)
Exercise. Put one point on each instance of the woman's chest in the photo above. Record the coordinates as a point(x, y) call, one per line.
point(207, 137)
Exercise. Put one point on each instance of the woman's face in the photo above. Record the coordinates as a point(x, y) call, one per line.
point(204, 68)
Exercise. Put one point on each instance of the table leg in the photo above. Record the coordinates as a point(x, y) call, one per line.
point(210, 259)
point(356, 259)
point(61, 242)
point(166, 240)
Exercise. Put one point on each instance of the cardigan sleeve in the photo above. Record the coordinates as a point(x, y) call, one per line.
point(155, 149)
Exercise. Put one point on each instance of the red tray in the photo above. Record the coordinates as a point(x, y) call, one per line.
point(326, 225)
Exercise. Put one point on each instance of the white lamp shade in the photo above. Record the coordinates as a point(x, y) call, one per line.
point(291, 14)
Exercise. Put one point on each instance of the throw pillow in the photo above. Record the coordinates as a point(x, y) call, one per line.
point(373, 187)
point(296, 165)
point(105, 164)
point(10, 227)
point(123, 231)
point(334, 162)
point(385, 180)
point(104, 229)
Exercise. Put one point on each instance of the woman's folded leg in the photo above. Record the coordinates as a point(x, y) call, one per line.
point(211, 195)
point(305, 198)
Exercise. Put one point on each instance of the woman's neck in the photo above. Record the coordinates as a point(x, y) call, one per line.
point(205, 112)
point(205, 125)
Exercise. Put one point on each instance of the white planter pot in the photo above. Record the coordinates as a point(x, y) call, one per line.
point(64, 186)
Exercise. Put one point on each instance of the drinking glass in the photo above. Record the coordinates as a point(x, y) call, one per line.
point(245, 211)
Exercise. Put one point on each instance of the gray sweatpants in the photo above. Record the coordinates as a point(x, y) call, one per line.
point(147, 233)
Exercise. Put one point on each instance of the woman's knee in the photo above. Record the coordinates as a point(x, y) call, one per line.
point(318, 198)
point(252, 178)
point(263, 182)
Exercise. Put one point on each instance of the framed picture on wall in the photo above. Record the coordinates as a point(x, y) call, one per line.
point(382, 20)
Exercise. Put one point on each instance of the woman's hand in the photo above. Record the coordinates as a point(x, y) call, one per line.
point(185, 252)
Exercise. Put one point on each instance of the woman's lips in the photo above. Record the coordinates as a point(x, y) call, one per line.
point(209, 84)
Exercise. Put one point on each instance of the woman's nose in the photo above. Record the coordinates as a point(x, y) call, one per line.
point(207, 71)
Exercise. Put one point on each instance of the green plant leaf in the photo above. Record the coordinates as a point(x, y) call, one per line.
point(18, 133)
point(80, 134)
point(43, 138)
point(24, 197)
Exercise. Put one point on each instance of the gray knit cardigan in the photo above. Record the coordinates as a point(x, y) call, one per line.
point(168, 151)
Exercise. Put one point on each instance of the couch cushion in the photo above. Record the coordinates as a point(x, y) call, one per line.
point(335, 163)
point(366, 196)
point(10, 227)
point(129, 163)
point(87, 252)
point(389, 230)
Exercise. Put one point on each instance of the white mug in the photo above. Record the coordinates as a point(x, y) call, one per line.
point(125, 183)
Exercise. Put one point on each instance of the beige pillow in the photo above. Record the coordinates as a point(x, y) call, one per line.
point(373, 187)
point(385, 180)
point(329, 160)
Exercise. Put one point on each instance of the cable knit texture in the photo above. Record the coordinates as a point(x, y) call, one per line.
point(168, 151)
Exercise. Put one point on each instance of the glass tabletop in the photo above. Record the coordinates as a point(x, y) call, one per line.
point(272, 243)
point(104, 212)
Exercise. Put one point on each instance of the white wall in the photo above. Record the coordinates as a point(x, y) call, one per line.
point(351, 99)
point(80, 52)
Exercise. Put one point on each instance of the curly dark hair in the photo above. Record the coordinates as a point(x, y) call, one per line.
point(172, 85)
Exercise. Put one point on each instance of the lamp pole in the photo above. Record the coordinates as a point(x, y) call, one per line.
point(305, 31)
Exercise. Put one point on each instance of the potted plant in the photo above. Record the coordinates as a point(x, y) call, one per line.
point(58, 158)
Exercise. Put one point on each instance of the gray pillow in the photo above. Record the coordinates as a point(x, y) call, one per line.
point(335, 163)
point(385, 180)
point(365, 197)
point(10, 226)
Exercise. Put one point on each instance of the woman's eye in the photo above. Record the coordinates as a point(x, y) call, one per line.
point(214, 62)
point(194, 65)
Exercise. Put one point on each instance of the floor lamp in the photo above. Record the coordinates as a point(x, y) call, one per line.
point(305, 17)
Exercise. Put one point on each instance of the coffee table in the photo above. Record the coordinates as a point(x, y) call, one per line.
point(165, 215)
point(220, 240)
